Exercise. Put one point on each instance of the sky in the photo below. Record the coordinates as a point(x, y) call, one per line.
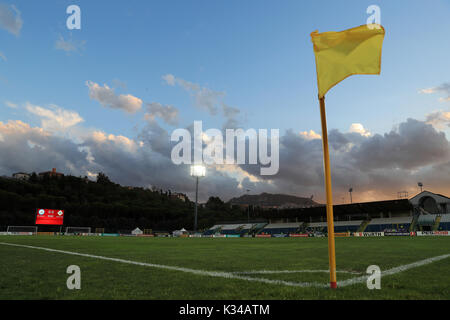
point(106, 97)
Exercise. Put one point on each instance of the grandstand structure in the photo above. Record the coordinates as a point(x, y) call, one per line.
point(282, 228)
point(426, 211)
point(393, 223)
point(241, 229)
point(77, 230)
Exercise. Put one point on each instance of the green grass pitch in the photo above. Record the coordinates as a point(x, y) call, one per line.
point(27, 273)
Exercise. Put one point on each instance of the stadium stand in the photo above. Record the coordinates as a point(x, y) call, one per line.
point(281, 228)
point(363, 225)
point(317, 227)
point(257, 228)
point(339, 226)
point(231, 229)
point(213, 230)
point(425, 211)
point(245, 229)
point(426, 219)
point(235, 229)
point(445, 222)
point(394, 223)
point(347, 226)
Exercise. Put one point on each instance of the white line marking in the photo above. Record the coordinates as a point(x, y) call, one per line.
point(395, 270)
point(219, 274)
point(291, 271)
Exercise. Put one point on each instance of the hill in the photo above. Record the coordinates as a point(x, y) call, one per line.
point(104, 204)
point(267, 200)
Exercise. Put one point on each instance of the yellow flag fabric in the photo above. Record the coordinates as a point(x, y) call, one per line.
point(342, 54)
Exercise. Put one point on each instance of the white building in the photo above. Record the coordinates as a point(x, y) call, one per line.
point(179, 233)
point(137, 232)
point(21, 176)
point(431, 202)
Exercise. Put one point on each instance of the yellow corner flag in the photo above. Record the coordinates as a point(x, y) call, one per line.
point(339, 55)
point(342, 54)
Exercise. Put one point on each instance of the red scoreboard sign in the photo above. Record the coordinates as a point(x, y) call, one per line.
point(50, 217)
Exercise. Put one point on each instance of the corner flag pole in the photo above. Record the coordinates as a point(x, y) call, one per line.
point(329, 194)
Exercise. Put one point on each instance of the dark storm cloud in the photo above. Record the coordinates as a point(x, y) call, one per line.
point(413, 145)
point(27, 149)
point(375, 166)
point(379, 165)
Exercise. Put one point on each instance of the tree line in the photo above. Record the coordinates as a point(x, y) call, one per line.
point(105, 204)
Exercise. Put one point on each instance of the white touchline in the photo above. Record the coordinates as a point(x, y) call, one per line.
point(229, 275)
point(291, 271)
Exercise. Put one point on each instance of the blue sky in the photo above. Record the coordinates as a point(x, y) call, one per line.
point(258, 53)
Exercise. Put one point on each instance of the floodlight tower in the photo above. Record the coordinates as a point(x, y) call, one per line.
point(420, 184)
point(197, 171)
point(350, 191)
point(248, 209)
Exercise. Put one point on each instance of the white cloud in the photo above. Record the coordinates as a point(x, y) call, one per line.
point(443, 88)
point(377, 166)
point(117, 83)
point(10, 104)
point(359, 128)
point(119, 140)
point(55, 118)
point(208, 100)
point(170, 79)
point(10, 19)
point(311, 135)
point(168, 113)
point(69, 45)
point(427, 91)
point(204, 98)
point(230, 114)
point(439, 119)
point(107, 98)
point(31, 149)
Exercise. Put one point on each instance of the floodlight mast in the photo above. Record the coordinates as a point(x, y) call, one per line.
point(248, 209)
point(197, 171)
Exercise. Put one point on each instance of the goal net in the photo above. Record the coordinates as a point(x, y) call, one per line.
point(78, 230)
point(99, 230)
point(22, 230)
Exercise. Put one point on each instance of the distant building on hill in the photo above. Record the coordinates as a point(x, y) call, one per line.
point(51, 174)
point(21, 176)
point(180, 196)
point(267, 201)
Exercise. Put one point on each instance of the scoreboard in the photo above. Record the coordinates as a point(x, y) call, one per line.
point(49, 217)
